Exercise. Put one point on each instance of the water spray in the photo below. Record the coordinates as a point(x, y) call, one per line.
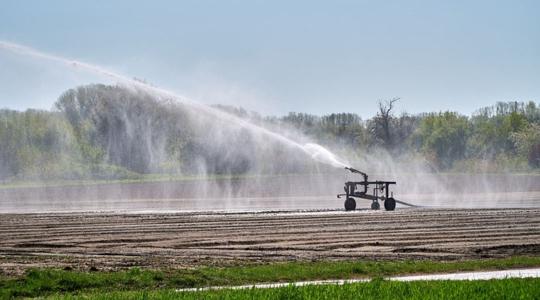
point(315, 151)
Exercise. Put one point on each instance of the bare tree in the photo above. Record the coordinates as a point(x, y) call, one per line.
point(383, 120)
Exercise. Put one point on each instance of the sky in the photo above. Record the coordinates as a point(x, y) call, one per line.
point(275, 57)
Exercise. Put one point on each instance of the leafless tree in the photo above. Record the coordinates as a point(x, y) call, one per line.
point(383, 120)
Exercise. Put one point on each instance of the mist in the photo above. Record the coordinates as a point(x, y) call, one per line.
point(234, 160)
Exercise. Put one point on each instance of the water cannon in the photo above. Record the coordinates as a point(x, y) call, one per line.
point(353, 170)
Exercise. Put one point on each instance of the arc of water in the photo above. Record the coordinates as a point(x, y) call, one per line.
point(317, 152)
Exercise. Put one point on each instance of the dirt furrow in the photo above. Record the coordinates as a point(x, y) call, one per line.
point(111, 241)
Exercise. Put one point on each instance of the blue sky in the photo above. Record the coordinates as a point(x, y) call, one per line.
point(279, 56)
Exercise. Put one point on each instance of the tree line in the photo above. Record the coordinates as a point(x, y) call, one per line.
point(100, 131)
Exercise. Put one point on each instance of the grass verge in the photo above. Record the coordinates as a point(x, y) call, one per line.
point(376, 289)
point(43, 282)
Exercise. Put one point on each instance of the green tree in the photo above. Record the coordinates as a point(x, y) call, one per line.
point(442, 137)
point(527, 141)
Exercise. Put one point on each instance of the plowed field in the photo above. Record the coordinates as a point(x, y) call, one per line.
point(112, 241)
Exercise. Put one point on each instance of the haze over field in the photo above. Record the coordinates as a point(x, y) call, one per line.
point(107, 125)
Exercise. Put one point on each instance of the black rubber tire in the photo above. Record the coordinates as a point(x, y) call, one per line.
point(375, 205)
point(390, 204)
point(350, 204)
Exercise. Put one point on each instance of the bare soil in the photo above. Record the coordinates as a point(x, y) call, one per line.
point(106, 241)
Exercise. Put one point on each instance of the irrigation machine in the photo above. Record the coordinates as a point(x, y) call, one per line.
point(359, 189)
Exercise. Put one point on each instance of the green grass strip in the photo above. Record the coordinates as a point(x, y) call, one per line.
point(43, 282)
point(376, 289)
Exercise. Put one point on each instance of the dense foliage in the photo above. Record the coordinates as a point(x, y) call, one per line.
point(100, 131)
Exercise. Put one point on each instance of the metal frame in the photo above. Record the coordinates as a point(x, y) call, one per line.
point(380, 186)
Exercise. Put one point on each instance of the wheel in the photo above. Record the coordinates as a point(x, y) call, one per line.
point(375, 205)
point(350, 204)
point(390, 204)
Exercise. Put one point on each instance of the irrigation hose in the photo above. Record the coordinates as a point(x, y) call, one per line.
point(407, 204)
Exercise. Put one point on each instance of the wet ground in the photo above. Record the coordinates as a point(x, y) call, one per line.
point(477, 275)
point(283, 193)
